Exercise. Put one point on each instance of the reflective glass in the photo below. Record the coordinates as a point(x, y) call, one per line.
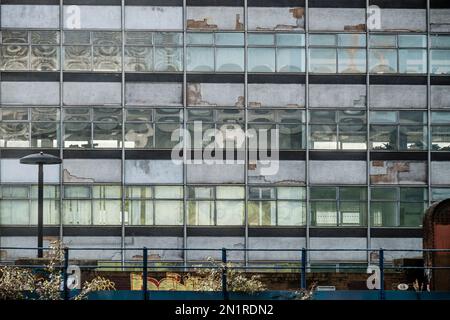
point(261, 59)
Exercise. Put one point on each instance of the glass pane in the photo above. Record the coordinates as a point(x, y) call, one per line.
point(382, 61)
point(168, 213)
point(384, 214)
point(14, 135)
point(163, 135)
point(20, 114)
point(107, 135)
point(383, 137)
point(139, 192)
point(51, 212)
point(201, 192)
point(78, 58)
point(77, 114)
point(45, 37)
point(440, 138)
point(322, 40)
point(230, 213)
point(44, 58)
point(15, 192)
point(138, 59)
point(106, 192)
point(413, 117)
point(322, 60)
point(103, 38)
point(168, 38)
point(413, 138)
point(291, 136)
point(223, 192)
point(201, 213)
point(438, 194)
point(107, 212)
point(286, 39)
point(352, 193)
point(262, 213)
point(168, 192)
point(77, 212)
point(261, 193)
point(140, 212)
point(440, 41)
point(412, 41)
point(138, 38)
point(139, 115)
point(353, 213)
point(290, 60)
point(411, 214)
point(323, 137)
point(44, 114)
point(107, 58)
point(139, 135)
point(230, 59)
point(263, 39)
point(384, 41)
point(291, 193)
point(200, 59)
point(384, 193)
point(76, 192)
point(200, 38)
point(413, 61)
point(321, 193)
point(383, 117)
point(440, 61)
point(351, 40)
point(323, 214)
point(77, 135)
point(14, 57)
point(169, 59)
point(235, 39)
point(291, 213)
point(261, 59)
point(44, 134)
point(15, 37)
point(413, 194)
point(440, 117)
point(14, 212)
point(77, 37)
point(352, 60)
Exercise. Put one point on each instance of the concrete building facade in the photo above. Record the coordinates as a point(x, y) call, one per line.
point(359, 91)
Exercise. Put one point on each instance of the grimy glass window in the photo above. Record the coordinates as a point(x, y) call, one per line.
point(398, 130)
point(398, 207)
point(22, 127)
point(440, 54)
point(219, 52)
point(402, 53)
point(338, 130)
point(23, 50)
point(440, 131)
point(18, 204)
point(337, 53)
point(439, 194)
point(338, 206)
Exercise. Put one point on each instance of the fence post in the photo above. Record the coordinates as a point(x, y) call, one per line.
point(381, 264)
point(65, 275)
point(145, 272)
point(303, 270)
point(224, 274)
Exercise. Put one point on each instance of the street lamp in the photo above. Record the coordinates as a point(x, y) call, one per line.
point(40, 159)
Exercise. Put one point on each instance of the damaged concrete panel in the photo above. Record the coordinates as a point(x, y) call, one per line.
point(335, 95)
point(275, 243)
point(30, 16)
point(276, 95)
point(215, 173)
point(398, 96)
point(215, 18)
point(153, 18)
point(152, 171)
point(12, 171)
point(440, 172)
point(338, 256)
point(337, 172)
point(30, 93)
point(397, 243)
point(89, 170)
point(440, 20)
point(275, 18)
point(440, 96)
point(92, 93)
point(154, 242)
point(215, 243)
point(398, 172)
point(94, 242)
point(92, 17)
point(348, 19)
point(215, 94)
point(403, 20)
point(154, 94)
point(289, 172)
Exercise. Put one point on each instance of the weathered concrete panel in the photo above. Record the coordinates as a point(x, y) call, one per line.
point(215, 18)
point(30, 93)
point(337, 172)
point(154, 242)
point(342, 19)
point(398, 243)
point(153, 18)
point(215, 94)
point(91, 170)
point(215, 243)
point(403, 20)
point(30, 16)
point(25, 242)
point(276, 95)
point(154, 94)
point(93, 17)
point(289, 172)
point(341, 243)
point(440, 96)
point(440, 20)
point(152, 171)
point(94, 242)
point(92, 93)
point(274, 18)
point(217, 173)
point(398, 96)
point(12, 171)
point(440, 172)
point(398, 172)
point(332, 96)
point(275, 243)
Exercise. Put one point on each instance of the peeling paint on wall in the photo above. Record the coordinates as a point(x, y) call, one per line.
point(398, 172)
point(215, 94)
point(276, 18)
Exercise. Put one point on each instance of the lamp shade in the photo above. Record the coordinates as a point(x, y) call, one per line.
point(40, 158)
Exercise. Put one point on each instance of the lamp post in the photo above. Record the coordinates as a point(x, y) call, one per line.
point(40, 159)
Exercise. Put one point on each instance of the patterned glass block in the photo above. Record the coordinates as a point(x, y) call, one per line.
point(138, 38)
point(45, 37)
point(107, 58)
point(77, 58)
point(101, 38)
point(138, 59)
point(14, 37)
point(168, 59)
point(14, 57)
point(44, 58)
point(77, 37)
point(168, 38)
